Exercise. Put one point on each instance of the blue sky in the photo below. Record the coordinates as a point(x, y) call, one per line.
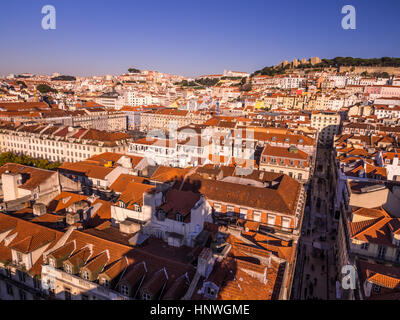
point(189, 37)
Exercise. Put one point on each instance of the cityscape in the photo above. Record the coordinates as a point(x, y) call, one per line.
point(280, 182)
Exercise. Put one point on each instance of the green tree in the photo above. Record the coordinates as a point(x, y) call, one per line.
point(133, 70)
point(44, 88)
point(9, 157)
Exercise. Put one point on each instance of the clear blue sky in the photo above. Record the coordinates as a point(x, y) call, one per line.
point(190, 37)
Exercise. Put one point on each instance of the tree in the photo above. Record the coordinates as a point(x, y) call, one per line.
point(133, 70)
point(44, 88)
point(335, 62)
point(64, 78)
point(9, 157)
point(22, 84)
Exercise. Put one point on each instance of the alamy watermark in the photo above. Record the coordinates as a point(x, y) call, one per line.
point(49, 20)
point(349, 277)
point(349, 20)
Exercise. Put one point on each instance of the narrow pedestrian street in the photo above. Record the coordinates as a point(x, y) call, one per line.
point(316, 270)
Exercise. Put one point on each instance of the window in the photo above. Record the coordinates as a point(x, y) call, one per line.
point(52, 262)
point(124, 290)
point(271, 219)
point(257, 216)
point(105, 283)
point(21, 276)
point(146, 296)
point(85, 297)
point(300, 176)
point(179, 217)
point(85, 275)
point(210, 291)
point(285, 223)
point(381, 252)
point(243, 213)
point(68, 268)
point(22, 294)
point(9, 289)
point(365, 246)
point(398, 256)
point(217, 206)
point(67, 294)
point(161, 215)
point(376, 288)
point(19, 257)
point(121, 204)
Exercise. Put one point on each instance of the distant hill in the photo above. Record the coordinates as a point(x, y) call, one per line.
point(63, 78)
point(333, 63)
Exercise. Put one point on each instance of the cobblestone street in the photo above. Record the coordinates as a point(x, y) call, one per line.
point(316, 263)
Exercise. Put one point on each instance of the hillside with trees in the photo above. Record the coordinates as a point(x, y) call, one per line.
point(44, 88)
point(64, 78)
point(133, 70)
point(9, 157)
point(333, 63)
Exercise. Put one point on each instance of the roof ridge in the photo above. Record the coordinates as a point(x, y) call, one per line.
point(372, 223)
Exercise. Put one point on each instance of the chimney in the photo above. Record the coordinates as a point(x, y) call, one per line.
point(39, 209)
point(10, 185)
point(395, 160)
point(365, 169)
point(205, 262)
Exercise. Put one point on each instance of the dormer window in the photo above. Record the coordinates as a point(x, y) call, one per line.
point(161, 215)
point(19, 257)
point(105, 283)
point(210, 291)
point(124, 290)
point(376, 288)
point(179, 217)
point(68, 268)
point(365, 246)
point(52, 262)
point(217, 206)
point(85, 275)
point(137, 208)
point(121, 204)
point(146, 296)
